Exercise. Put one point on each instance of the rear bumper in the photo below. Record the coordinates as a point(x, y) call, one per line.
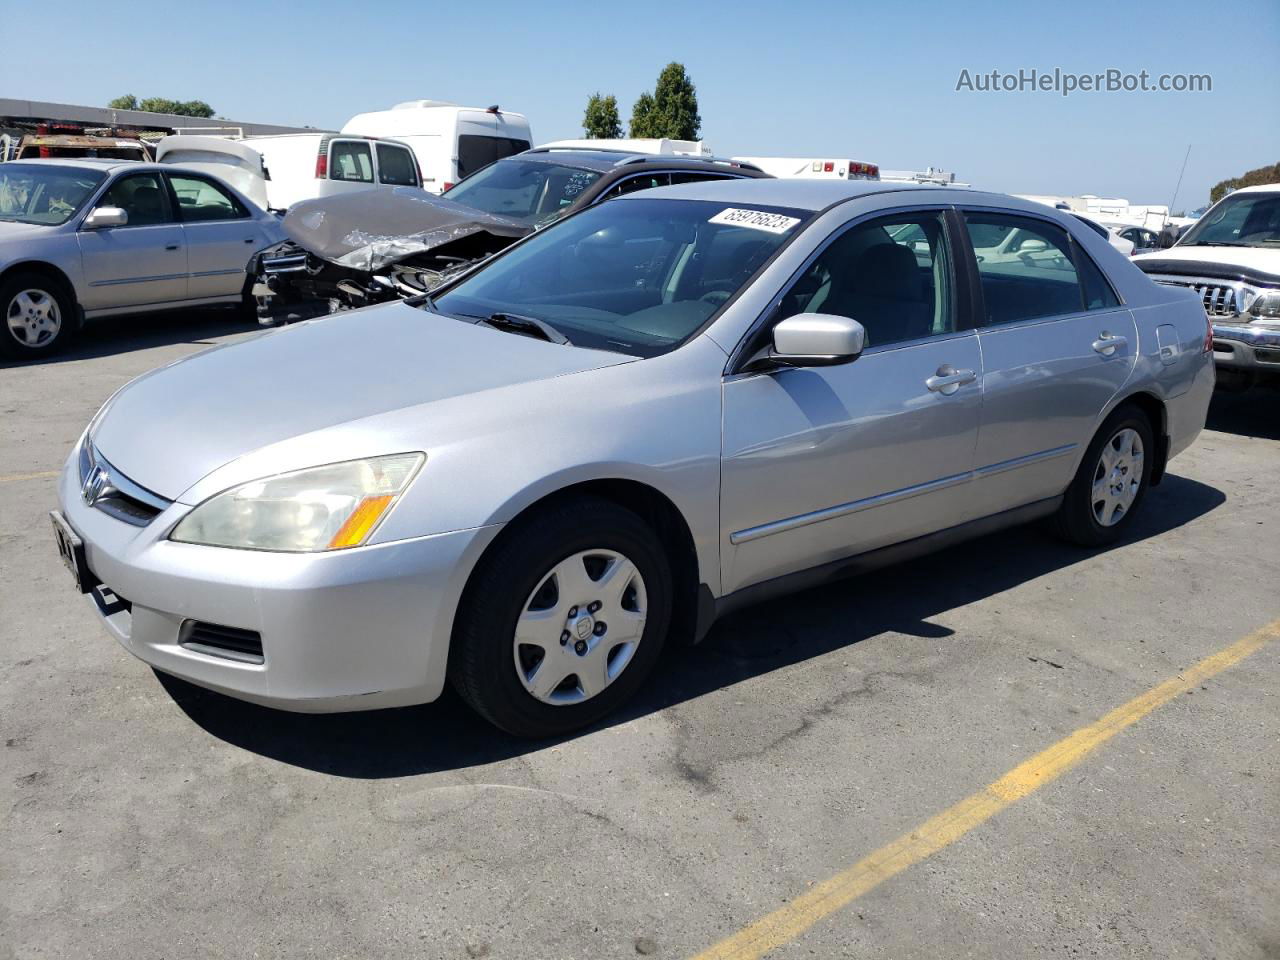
point(349, 630)
point(1247, 347)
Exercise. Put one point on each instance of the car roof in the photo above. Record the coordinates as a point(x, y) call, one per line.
point(94, 163)
point(603, 161)
point(1257, 188)
point(817, 195)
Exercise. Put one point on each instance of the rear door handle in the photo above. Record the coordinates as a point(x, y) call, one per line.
point(1106, 344)
point(948, 379)
point(171, 246)
point(248, 239)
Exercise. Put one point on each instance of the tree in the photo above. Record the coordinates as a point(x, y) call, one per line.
point(185, 108)
point(642, 116)
point(671, 110)
point(675, 101)
point(600, 122)
point(1269, 174)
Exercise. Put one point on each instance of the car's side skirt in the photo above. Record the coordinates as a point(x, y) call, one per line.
point(710, 609)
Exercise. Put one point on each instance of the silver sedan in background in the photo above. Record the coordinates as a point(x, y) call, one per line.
point(656, 410)
point(90, 238)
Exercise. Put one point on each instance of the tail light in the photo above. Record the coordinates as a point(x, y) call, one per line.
point(447, 186)
point(322, 165)
point(873, 171)
point(828, 167)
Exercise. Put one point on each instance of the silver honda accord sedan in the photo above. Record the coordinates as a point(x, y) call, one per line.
point(654, 411)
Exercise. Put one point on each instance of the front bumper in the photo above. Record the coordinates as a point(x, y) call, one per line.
point(1247, 347)
point(349, 630)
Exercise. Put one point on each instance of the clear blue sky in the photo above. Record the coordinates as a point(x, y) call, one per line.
point(865, 81)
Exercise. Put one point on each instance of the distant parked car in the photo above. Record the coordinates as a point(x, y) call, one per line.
point(409, 241)
point(1143, 240)
point(88, 238)
point(38, 146)
point(648, 414)
point(1111, 234)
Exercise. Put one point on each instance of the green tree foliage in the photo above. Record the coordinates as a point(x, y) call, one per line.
point(642, 117)
point(1269, 174)
point(671, 110)
point(185, 108)
point(601, 119)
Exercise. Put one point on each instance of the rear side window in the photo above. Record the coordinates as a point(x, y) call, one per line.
point(396, 166)
point(645, 182)
point(351, 160)
point(1025, 267)
point(476, 151)
point(201, 200)
point(696, 177)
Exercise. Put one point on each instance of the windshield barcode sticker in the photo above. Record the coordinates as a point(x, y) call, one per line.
point(755, 220)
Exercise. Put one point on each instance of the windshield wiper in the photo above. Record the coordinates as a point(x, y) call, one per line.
point(1216, 243)
point(519, 324)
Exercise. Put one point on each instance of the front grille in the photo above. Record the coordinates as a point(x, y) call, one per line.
point(1220, 300)
point(215, 640)
point(115, 494)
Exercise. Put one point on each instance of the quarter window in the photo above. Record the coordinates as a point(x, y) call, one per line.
point(351, 160)
point(200, 200)
point(892, 275)
point(142, 197)
point(1027, 270)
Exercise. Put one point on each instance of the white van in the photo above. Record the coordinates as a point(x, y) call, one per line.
point(450, 142)
point(277, 172)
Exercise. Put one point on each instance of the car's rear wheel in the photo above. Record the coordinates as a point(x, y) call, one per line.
point(38, 314)
point(1111, 481)
point(563, 619)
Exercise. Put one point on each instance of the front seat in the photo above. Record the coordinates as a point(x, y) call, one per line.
point(885, 293)
point(146, 206)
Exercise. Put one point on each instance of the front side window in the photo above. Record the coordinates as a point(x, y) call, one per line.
point(351, 160)
point(638, 277)
point(35, 193)
point(142, 196)
point(892, 275)
point(1241, 220)
point(1025, 267)
point(531, 191)
point(200, 200)
point(396, 166)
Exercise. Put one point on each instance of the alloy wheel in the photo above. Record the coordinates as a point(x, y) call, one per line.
point(33, 318)
point(1117, 478)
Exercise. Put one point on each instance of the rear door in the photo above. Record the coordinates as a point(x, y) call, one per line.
point(221, 234)
point(143, 262)
point(1056, 345)
point(395, 166)
point(350, 166)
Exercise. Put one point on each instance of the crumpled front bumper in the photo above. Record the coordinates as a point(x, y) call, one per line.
point(346, 630)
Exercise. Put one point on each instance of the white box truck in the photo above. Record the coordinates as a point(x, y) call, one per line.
point(451, 142)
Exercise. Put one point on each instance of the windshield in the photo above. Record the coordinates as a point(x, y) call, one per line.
point(1241, 220)
point(633, 276)
point(36, 193)
point(525, 190)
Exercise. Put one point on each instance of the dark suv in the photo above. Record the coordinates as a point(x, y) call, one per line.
point(540, 185)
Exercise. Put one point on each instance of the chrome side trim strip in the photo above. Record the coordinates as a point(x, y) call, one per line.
point(1030, 458)
point(893, 496)
point(844, 509)
point(214, 273)
point(115, 283)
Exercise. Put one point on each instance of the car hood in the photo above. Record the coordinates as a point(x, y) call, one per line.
point(370, 229)
point(1255, 264)
point(10, 230)
point(171, 427)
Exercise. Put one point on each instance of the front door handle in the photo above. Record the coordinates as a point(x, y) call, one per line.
point(171, 246)
point(248, 239)
point(1106, 344)
point(948, 379)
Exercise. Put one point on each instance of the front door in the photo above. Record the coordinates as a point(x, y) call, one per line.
point(825, 462)
point(1056, 345)
point(220, 235)
point(141, 263)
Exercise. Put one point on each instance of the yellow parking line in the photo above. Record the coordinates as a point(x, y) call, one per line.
point(792, 920)
point(42, 475)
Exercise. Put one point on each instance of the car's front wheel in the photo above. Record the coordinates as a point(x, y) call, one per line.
point(39, 316)
point(1111, 481)
point(563, 619)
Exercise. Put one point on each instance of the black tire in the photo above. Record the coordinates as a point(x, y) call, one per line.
point(1077, 520)
point(15, 284)
point(482, 659)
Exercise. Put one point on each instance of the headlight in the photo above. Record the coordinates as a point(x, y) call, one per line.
point(321, 508)
point(1266, 305)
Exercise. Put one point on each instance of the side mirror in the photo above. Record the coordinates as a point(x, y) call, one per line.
point(815, 340)
point(101, 217)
